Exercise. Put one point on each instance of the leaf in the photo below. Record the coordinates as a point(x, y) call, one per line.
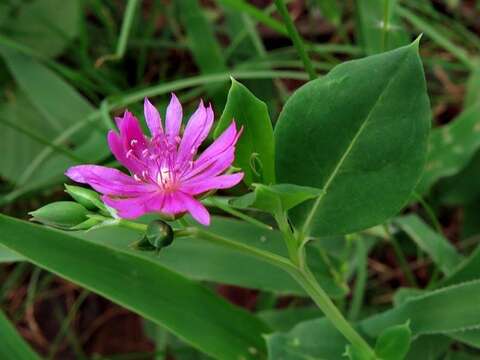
point(19, 149)
point(451, 147)
point(360, 134)
point(285, 319)
point(462, 188)
point(255, 148)
point(443, 311)
point(12, 346)
point(276, 198)
point(394, 342)
point(215, 263)
point(468, 270)
point(7, 255)
point(473, 87)
point(61, 107)
point(187, 309)
point(378, 26)
point(436, 246)
point(46, 26)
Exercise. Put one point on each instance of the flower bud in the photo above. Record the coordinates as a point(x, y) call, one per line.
point(88, 198)
point(61, 214)
point(159, 234)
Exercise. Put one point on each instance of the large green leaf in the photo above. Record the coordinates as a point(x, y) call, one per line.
point(255, 148)
point(185, 308)
point(12, 346)
point(210, 262)
point(46, 26)
point(360, 134)
point(7, 255)
point(444, 311)
point(378, 26)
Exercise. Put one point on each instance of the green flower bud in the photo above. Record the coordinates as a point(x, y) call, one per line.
point(61, 214)
point(88, 198)
point(159, 234)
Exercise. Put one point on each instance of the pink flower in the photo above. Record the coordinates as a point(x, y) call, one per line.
point(166, 173)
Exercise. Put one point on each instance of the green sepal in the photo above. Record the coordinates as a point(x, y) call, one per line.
point(61, 214)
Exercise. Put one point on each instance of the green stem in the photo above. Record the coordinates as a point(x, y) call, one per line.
point(401, 258)
point(266, 256)
point(386, 17)
point(360, 280)
point(132, 225)
point(307, 280)
point(431, 214)
point(124, 32)
point(296, 39)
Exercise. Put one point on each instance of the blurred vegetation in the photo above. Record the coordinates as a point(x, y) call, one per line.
point(68, 67)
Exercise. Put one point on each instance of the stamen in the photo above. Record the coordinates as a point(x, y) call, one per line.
point(129, 153)
point(133, 142)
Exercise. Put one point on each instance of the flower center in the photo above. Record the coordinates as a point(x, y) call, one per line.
point(165, 178)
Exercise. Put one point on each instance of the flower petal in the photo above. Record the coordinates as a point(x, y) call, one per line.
point(196, 209)
point(173, 204)
point(152, 117)
point(131, 133)
point(108, 181)
point(196, 131)
point(195, 187)
point(129, 208)
point(211, 168)
point(227, 139)
point(116, 146)
point(174, 117)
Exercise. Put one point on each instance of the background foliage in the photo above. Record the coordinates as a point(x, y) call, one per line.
point(68, 67)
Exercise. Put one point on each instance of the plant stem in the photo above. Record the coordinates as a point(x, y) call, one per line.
point(132, 225)
point(385, 28)
point(360, 280)
point(307, 280)
point(296, 39)
point(266, 256)
point(431, 214)
point(401, 258)
point(124, 33)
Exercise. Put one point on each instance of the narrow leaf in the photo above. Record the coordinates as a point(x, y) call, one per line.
point(187, 309)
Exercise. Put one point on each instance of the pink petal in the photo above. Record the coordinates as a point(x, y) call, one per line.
point(195, 187)
point(129, 208)
point(196, 131)
point(131, 133)
point(108, 181)
point(218, 156)
point(116, 146)
point(196, 209)
point(174, 117)
point(227, 139)
point(211, 168)
point(173, 204)
point(152, 118)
